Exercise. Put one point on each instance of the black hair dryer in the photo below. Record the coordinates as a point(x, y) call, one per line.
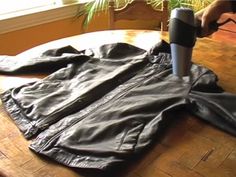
point(182, 35)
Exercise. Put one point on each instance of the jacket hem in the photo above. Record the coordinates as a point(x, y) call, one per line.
point(26, 126)
point(76, 161)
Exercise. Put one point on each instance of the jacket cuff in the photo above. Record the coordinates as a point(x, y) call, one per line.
point(233, 5)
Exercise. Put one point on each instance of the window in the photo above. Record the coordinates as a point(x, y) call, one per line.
point(14, 6)
point(20, 14)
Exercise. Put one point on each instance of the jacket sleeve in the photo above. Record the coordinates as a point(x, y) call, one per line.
point(212, 104)
point(50, 61)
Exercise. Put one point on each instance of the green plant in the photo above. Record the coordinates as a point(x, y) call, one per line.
point(96, 6)
point(194, 4)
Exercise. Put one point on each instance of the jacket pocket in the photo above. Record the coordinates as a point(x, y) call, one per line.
point(130, 137)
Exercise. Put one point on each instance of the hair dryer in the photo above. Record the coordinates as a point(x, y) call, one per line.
point(182, 35)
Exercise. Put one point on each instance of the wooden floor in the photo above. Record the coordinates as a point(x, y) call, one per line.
point(202, 151)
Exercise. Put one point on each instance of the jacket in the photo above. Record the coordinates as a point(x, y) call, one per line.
point(106, 104)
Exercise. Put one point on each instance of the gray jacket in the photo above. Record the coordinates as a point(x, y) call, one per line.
point(107, 104)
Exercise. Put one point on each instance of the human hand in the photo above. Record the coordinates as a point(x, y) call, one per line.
point(210, 15)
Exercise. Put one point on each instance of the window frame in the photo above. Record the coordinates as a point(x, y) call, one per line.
point(37, 16)
point(13, 7)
